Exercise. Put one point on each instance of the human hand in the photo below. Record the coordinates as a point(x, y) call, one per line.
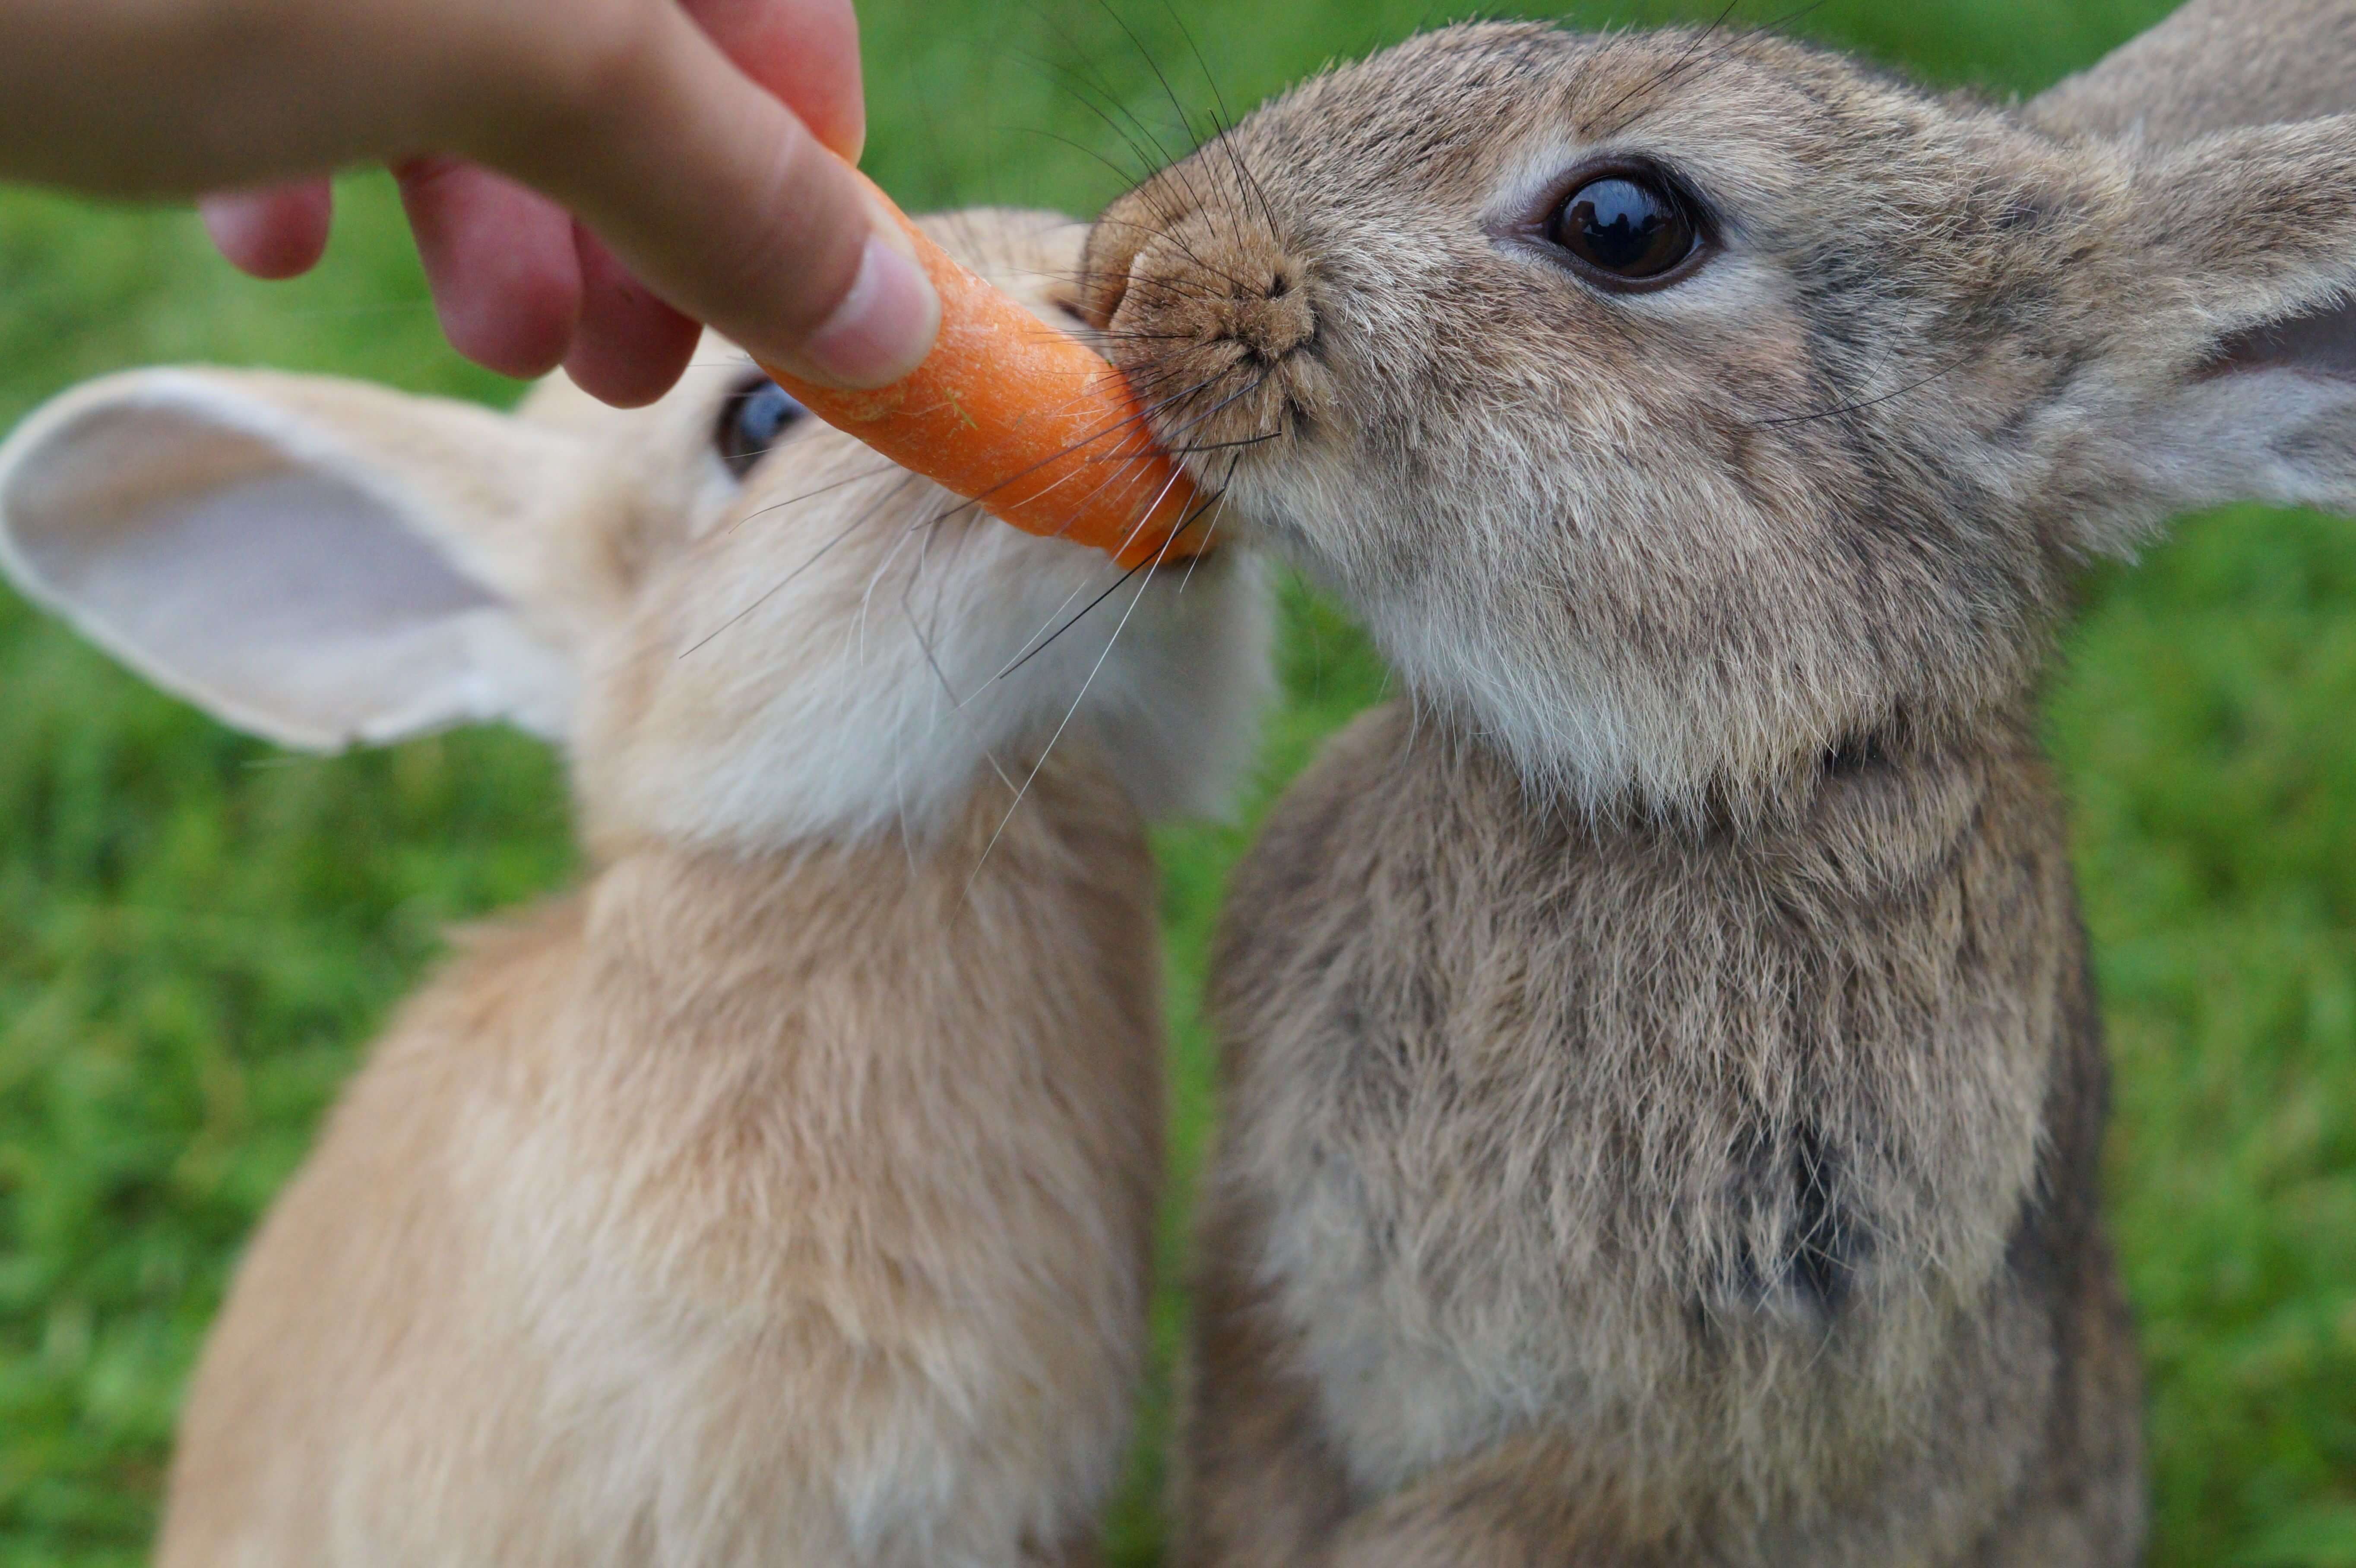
point(690, 136)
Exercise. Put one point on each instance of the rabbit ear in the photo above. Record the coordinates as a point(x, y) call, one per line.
point(2214, 65)
point(314, 561)
point(2231, 374)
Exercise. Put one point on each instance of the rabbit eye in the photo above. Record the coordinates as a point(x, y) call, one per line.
point(1628, 227)
point(753, 420)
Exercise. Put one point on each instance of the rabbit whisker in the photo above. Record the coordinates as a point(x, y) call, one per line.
point(1222, 117)
point(1026, 651)
point(1225, 445)
point(1025, 654)
point(1169, 91)
point(1080, 147)
point(860, 478)
point(1166, 164)
point(1070, 713)
point(1029, 653)
point(921, 535)
point(1681, 69)
point(1838, 409)
point(1157, 158)
point(1216, 498)
point(1170, 237)
point(1211, 528)
point(1669, 72)
point(925, 645)
point(815, 556)
point(1108, 431)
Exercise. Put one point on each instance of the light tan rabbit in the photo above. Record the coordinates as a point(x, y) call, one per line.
point(783, 1196)
point(1663, 1088)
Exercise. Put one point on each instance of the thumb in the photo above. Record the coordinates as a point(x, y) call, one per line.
point(714, 195)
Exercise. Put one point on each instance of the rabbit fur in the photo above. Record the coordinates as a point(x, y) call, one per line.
point(1662, 1089)
point(783, 1195)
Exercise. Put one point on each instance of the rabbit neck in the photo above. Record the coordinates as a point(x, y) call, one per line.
point(687, 917)
point(741, 1041)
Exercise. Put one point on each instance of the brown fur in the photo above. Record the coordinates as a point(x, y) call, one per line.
point(1662, 1081)
point(655, 1225)
point(1716, 1152)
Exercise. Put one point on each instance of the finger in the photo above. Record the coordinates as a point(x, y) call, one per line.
point(501, 263)
point(631, 348)
point(280, 233)
point(719, 199)
point(805, 51)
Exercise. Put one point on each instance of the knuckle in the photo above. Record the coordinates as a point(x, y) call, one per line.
point(578, 77)
point(805, 253)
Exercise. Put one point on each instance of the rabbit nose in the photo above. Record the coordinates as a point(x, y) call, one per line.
point(1273, 324)
point(1192, 292)
point(1213, 314)
point(1184, 271)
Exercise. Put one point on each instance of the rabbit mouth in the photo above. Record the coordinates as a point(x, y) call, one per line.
point(1266, 498)
point(1236, 429)
point(1230, 393)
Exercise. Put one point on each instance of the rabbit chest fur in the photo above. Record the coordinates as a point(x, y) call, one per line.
point(1748, 1171)
point(749, 1210)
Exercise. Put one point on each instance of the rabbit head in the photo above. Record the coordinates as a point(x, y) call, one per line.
point(1685, 409)
point(744, 626)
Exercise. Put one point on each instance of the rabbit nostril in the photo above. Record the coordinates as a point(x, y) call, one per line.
point(1273, 325)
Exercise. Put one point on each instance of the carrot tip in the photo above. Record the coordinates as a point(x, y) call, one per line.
point(1028, 423)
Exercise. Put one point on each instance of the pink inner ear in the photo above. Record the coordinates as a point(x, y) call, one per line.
point(2320, 342)
point(279, 592)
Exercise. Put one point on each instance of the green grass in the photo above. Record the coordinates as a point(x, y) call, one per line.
point(197, 935)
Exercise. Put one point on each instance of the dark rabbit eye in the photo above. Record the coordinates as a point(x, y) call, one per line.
point(1627, 226)
point(753, 420)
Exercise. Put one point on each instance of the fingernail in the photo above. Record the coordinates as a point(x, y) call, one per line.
point(883, 327)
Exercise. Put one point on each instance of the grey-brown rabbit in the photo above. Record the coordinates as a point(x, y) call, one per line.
point(1662, 1086)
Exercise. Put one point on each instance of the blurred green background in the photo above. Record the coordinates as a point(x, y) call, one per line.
point(197, 934)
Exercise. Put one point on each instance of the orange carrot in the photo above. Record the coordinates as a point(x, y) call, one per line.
point(1028, 422)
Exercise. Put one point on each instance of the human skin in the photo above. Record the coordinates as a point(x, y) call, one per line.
point(587, 180)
